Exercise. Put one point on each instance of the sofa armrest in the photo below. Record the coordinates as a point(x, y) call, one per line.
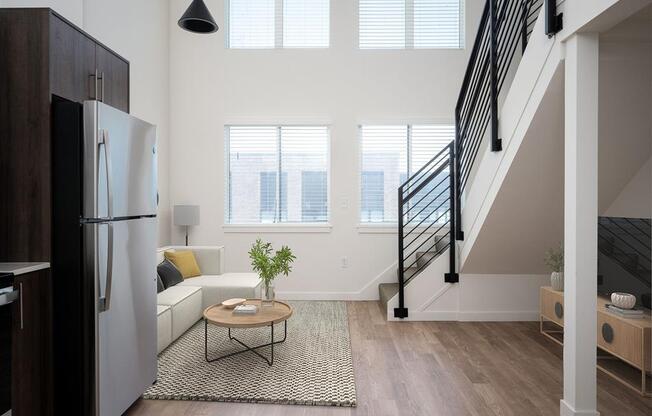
point(210, 259)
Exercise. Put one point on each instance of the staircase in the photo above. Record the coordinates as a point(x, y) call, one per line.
point(627, 242)
point(430, 200)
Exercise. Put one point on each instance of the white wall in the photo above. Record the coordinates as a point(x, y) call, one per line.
point(139, 31)
point(342, 86)
point(635, 200)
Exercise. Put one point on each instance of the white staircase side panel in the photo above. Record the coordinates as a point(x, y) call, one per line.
point(536, 70)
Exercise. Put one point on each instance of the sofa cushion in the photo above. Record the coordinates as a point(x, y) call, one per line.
point(186, 305)
point(164, 327)
point(184, 260)
point(169, 274)
point(218, 288)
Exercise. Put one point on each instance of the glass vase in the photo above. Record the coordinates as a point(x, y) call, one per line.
point(268, 296)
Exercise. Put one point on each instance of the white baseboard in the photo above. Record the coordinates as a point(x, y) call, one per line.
point(567, 410)
point(425, 316)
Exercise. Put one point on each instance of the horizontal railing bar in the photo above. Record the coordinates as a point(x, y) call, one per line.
point(424, 183)
point(424, 230)
point(405, 214)
point(413, 181)
point(639, 253)
point(437, 254)
point(646, 232)
point(435, 239)
point(442, 151)
point(618, 225)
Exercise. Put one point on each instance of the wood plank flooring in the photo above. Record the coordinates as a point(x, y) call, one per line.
point(438, 368)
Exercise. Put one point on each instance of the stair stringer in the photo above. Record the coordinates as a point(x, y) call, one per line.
point(540, 64)
point(427, 296)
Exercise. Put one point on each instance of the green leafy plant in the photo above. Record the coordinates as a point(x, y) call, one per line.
point(268, 266)
point(554, 259)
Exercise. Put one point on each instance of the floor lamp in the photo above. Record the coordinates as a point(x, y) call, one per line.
point(185, 216)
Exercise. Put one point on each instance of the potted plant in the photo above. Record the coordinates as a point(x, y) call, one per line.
point(269, 267)
point(554, 259)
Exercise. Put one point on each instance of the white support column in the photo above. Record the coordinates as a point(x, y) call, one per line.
point(580, 225)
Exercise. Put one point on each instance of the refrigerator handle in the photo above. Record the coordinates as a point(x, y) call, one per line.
point(105, 301)
point(104, 141)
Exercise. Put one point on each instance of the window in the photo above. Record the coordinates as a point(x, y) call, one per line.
point(268, 24)
point(277, 174)
point(411, 24)
point(390, 154)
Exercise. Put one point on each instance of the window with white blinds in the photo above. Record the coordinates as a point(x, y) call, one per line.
point(267, 24)
point(389, 155)
point(411, 24)
point(277, 174)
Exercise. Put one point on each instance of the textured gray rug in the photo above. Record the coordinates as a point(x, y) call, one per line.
point(312, 367)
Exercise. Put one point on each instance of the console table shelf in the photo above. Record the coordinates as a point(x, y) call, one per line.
point(624, 345)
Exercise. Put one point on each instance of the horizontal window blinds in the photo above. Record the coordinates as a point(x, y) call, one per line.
point(407, 24)
point(267, 24)
point(390, 154)
point(438, 24)
point(277, 174)
point(306, 23)
point(251, 24)
point(382, 24)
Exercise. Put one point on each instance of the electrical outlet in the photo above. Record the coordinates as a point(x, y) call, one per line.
point(345, 262)
point(344, 203)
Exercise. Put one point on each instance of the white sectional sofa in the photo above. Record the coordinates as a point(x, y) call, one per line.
point(181, 306)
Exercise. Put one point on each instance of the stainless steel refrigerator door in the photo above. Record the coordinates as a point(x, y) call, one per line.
point(126, 329)
point(120, 164)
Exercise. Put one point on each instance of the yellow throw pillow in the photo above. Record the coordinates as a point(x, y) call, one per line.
point(184, 261)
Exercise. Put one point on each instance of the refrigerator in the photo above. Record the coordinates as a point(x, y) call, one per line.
point(104, 258)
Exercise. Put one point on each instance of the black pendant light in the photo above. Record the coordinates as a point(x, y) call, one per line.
point(198, 19)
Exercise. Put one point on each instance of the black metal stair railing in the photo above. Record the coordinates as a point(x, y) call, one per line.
point(627, 242)
point(430, 200)
point(504, 24)
point(425, 221)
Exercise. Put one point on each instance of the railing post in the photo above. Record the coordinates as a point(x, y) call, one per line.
point(452, 276)
point(456, 174)
point(554, 21)
point(401, 311)
point(496, 144)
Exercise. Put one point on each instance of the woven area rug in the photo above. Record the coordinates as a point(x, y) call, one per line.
point(312, 367)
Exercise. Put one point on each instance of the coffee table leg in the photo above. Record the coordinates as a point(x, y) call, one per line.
point(270, 362)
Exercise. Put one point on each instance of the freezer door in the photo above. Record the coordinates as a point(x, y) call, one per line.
point(126, 320)
point(120, 164)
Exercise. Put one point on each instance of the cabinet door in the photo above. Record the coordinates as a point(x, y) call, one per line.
point(115, 73)
point(72, 62)
point(31, 346)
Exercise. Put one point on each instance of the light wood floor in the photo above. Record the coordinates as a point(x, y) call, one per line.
point(439, 368)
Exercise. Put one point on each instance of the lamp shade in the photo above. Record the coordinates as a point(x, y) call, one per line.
point(186, 215)
point(198, 19)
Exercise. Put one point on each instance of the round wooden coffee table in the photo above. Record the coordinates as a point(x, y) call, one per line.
point(221, 316)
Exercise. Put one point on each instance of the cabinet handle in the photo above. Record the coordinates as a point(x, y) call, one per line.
point(20, 292)
point(93, 78)
point(102, 86)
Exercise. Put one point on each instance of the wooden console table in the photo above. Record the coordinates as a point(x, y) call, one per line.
point(624, 345)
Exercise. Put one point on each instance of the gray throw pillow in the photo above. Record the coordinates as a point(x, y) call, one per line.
point(170, 275)
point(159, 284)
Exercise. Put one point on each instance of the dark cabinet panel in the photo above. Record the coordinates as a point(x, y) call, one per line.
point(31, 345)
point(114, 85)
point(72, 62)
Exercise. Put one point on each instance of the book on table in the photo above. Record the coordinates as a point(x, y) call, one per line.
point(245, 309)
point(625, 313)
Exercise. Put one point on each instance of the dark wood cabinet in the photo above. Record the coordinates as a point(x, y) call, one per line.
point(114, 79)
point(42, 55)
point(31, 345)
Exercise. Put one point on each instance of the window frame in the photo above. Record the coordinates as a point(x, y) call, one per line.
point(389, 227)
point(279, 226)
point(279, 32)
point(409, 31)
